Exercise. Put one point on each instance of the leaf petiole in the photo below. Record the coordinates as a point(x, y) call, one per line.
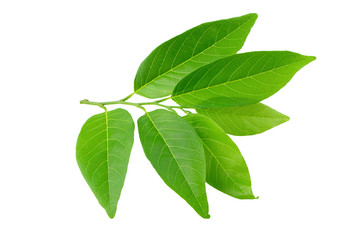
point(127, 97)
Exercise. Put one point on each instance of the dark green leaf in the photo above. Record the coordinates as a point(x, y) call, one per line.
point(245, 120)
point(171, 61)
point(175, 151)
point(226, 169)
point(102, 152)
point(240, 79)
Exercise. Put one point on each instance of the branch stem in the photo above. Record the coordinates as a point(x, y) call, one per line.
point(138, 105)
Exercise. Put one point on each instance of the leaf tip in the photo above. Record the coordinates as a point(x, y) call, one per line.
point(312, 58)
point(111, 213)
point(286, 118)
point(206, 216)
point(254, 15)
point(249, 197)
point(309, 59)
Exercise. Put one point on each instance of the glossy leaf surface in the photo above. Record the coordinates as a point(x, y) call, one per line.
point(176, 152)
point(226, 169)
point(102, 152)
point(240, 79)
point(171, 61)
point(245, 120)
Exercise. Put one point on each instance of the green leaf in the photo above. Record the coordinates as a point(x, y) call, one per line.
point(171, 61)
point(175, 151)
point(226, 169)
point(102, 152)
point(245, 120)
point(240, 79)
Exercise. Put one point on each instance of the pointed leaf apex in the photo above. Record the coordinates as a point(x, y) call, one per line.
point(286, 118)
point(255, 15)
point(313, 58)
point(206, 216)
point(111, 213)
point(309, 58)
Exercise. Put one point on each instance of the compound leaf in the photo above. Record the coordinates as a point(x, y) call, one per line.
point(171, 61)
point(175, 151)
point(240, 79)
point(102, 152)
point(245, 120)
point(226, 169)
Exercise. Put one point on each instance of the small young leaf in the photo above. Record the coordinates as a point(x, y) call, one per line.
point(175, 151)
point(171, 61)
point(226, 169)
point(245, 120)
point(240, 79)
point(102, 152)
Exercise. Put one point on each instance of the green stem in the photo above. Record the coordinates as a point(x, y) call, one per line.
point(138, 105)
point(162, 100)
point(182, 109)
point(102, 104)
point(127, 97)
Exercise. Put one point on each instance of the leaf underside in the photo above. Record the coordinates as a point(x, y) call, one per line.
point(102, 152)
point(245, 120)
point(226, 169)
point(175, 151)
point(171, 61)
point(240, 79)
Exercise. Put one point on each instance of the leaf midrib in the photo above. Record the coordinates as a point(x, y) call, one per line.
point(107, 157)
point(192, 57)
point(175, 161)
point(238, 80)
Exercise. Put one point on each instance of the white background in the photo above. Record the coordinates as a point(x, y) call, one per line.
point(55, 53)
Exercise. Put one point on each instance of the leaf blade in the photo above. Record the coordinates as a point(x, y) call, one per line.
point(102, 153)
point(245, 120)
point(240, 79)
point(164, 136)
point(171, 61)
point(226, 167)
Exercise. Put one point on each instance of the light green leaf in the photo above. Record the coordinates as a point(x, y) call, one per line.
point(171, 61)
point(226, 169)
point(245, 120)
point(240, 79)
point(102, 152)
point(175, 151)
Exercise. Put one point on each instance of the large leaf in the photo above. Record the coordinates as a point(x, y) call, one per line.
point(102, 152)
point(240, 79)
point(171, 61)
point(175, 151)
point(226, 169)
point(245, 120)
